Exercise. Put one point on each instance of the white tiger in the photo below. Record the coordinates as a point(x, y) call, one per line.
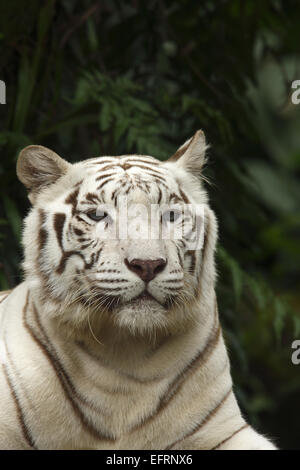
point(115, 343)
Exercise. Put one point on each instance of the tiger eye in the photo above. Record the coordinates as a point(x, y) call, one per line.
point(171, 216)
point(97, 217)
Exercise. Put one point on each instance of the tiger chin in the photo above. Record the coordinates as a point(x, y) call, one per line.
point(112, 341)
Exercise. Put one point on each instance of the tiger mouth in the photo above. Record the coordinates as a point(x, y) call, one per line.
point(144, 298)
point(111, 303)
point(145, 295)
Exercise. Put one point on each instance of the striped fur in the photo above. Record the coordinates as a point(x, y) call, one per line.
point(86, 361)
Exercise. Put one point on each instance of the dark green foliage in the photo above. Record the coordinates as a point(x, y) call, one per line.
point(94, 78)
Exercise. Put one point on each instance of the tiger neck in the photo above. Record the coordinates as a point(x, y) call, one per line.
point(142, 355)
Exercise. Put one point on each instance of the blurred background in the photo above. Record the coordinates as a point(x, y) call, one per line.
point(110, 77)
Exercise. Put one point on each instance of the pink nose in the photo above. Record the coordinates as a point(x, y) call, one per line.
point(146, 269)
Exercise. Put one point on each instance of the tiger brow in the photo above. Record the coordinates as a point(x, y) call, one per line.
point(175, 198)
point(92, 198)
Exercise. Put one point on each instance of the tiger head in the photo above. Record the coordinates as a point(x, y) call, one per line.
point(79, 255)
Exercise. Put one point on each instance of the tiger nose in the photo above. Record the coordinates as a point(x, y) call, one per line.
point(146, 269)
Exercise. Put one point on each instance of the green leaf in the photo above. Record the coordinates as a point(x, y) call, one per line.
point(280, 314)
point(13, 216)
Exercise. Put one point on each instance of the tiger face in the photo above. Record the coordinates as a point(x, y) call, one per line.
point(101, 235)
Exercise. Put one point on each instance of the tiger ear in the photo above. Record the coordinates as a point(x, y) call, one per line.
point(191, 155)
point(38, 167)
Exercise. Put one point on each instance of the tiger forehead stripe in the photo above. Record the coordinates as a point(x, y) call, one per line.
point(149, 161)
point(113, 195)
point(106, 175)
point(132, 164)
point(125, 166)
point(143, 167)
point(159, 177)
point(105, 160)
point(104, 183)
point(108, 167)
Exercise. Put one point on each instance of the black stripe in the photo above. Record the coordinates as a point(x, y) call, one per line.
point(59, 223)
point(98, 255)
point(4, 297)
point(184, 196)
point(114, 194)
point(112, 165)
point(41, 242)
point(59, 367)
point(109, 289)
point(78, 232)
point(104, 161)
point(192, 254)
point(25, 431)
point(81, 219)
point(83, 247)
point(65, 257)
point(175, 197)
point(153, 170)
point(43, 234)
point(140, 160)
point(104, 183)
point(179, 256)
point(232, 435)
point(108, 270)
point(106, 175)
point(159, 196)
point(160, 181)
point(207, 418)
point(72, 199)
point(93, 198)
point(63, 378)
